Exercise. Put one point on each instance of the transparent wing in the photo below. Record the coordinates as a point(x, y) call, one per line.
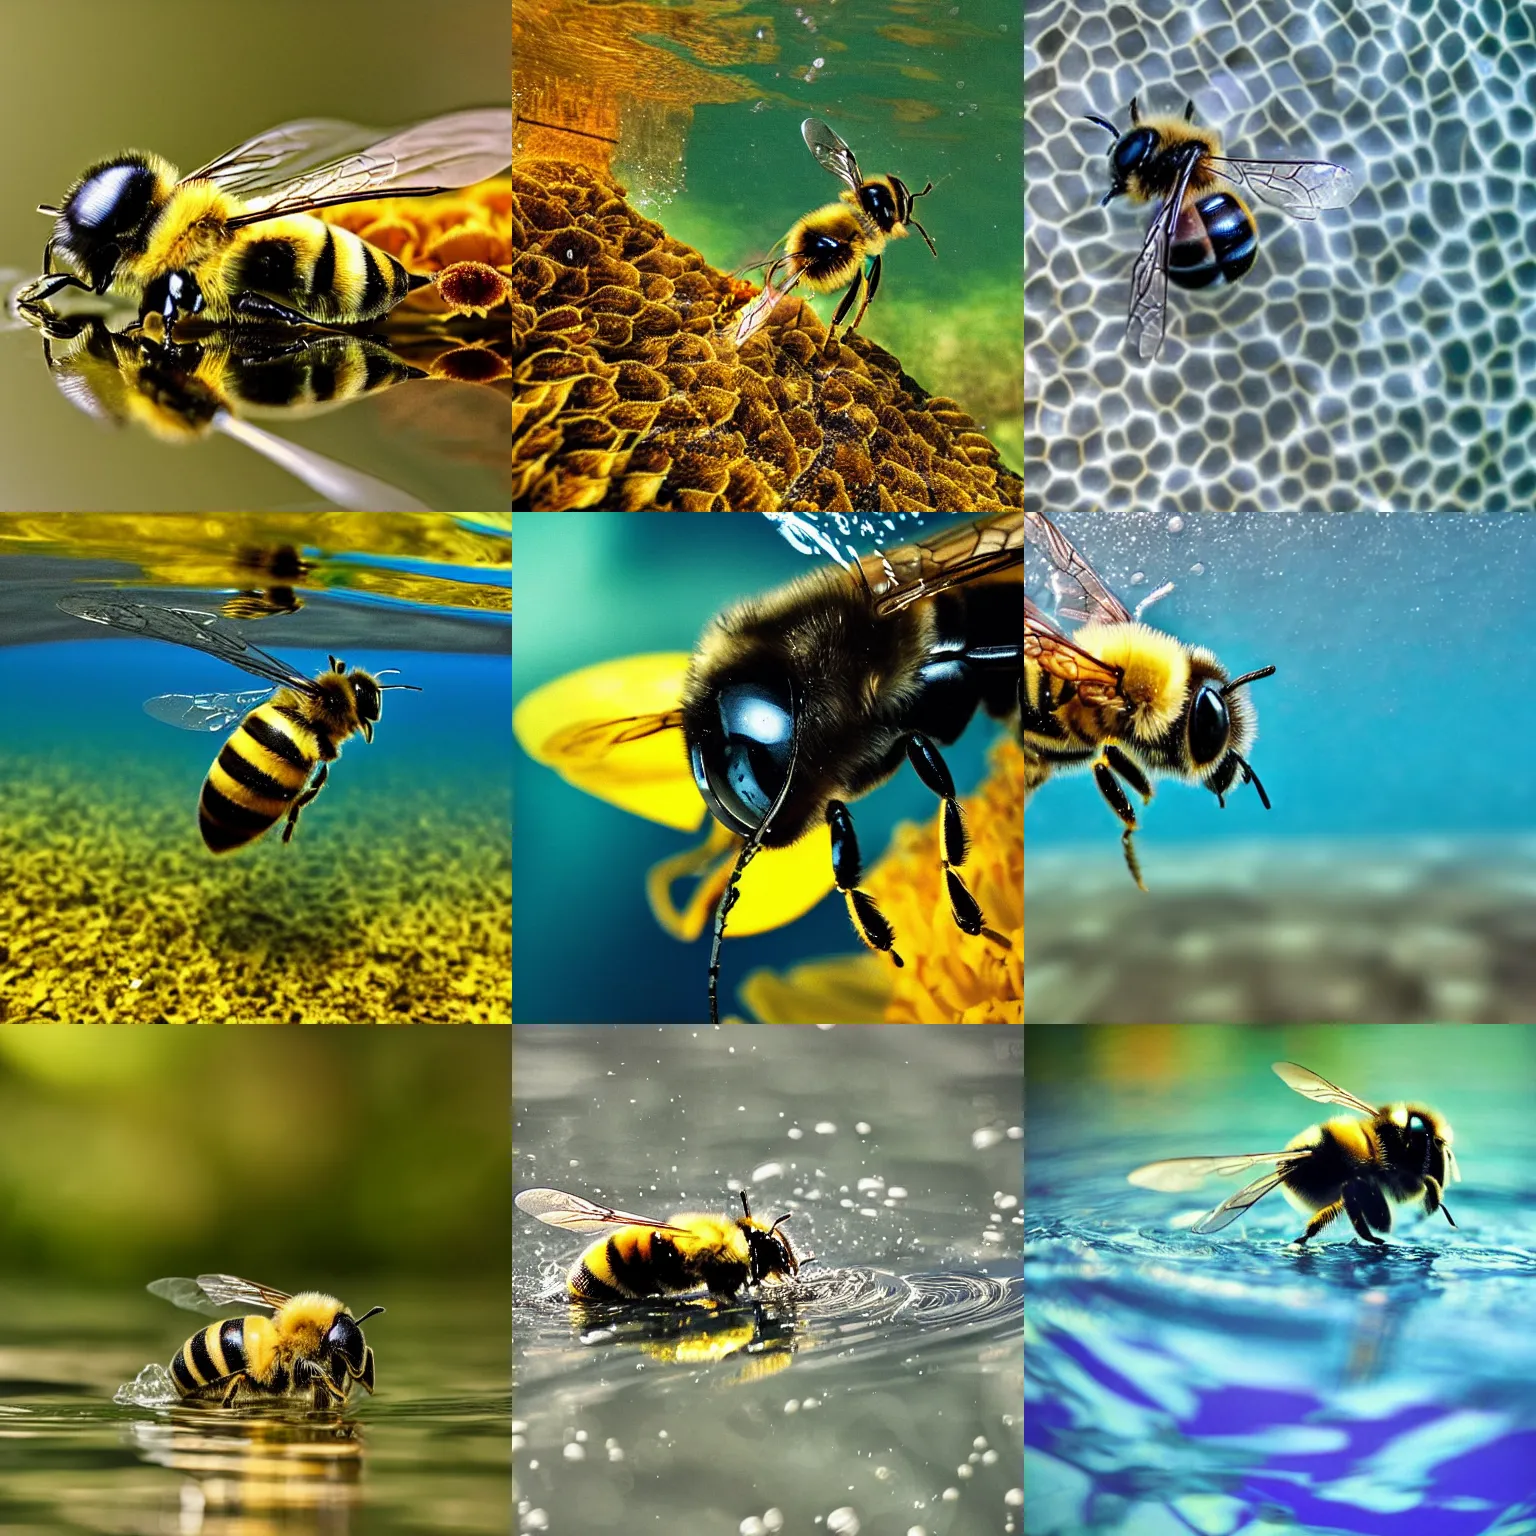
point(950, 558)
point(1073, 580)
point(1175, 1175)
point(830, 151)
point(317, 162)
point(1097, 681)
point(755, 315)
point(1300, 187)
point(1311, 1086)
point(186, 626)
point(204, 711)
point(573, 1214)
point(1148, 311)
point(1229, 1210)
point(595, 738)
point(214, 1294)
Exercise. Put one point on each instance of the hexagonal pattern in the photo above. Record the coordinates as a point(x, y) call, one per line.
point(1382, 356)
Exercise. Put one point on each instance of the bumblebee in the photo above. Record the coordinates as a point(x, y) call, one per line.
point(814, 694)
point(639, 1257)
point(1202, 231)
point(1123, 699)
point(1399, 1154)
point(235, 240)
point(263, 772)
point(308, 1343)
point(841, 243)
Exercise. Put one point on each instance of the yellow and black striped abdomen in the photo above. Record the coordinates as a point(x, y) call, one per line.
point(256, 776)
point(319, 269)
point(210, 1357)
point(632, 1262)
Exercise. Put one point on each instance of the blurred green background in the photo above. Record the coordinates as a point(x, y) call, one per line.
point(189, 80)
point(295, 1157)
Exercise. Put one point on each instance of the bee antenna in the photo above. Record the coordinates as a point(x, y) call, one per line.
point(1250, 777)
point(371, 1312)
point(780, 1222)
point(923, 232)
point(1104, 123)
point(746, 1209)
point(52, 212)
point(1247, 677)
point(730, 895)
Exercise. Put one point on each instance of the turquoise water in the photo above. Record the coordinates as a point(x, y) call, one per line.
point(1231, 1383)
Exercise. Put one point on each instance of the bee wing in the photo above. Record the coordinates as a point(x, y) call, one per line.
point(1097, 681)
point(204, 711)
point(318, 162)
point(1300, 187)
point(596, 738)
point(1311, 1086)
point(573, 1214)
point(1230, 1209)
point(1175, 1175)
point(1149, 277)
point(190, 627)
point(952, 557)
point(214, 1294)
point(755, 315)
point(830, 151)
point(1069, 568)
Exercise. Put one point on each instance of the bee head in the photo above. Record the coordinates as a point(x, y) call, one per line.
point(769, 1251)
point(1429, 1141)
point(1129, 151)
point(1219, 726)
point(740, 735)
point(345, 1338)
point(368, 694)
point(109, 209)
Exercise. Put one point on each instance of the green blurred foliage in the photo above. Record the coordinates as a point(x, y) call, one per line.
point(283, 1154)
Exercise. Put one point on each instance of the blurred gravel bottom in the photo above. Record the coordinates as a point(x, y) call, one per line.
point(111, 910)
point(1441, 931)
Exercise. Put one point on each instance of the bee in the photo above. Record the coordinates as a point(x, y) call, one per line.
point(1123, 699)
point(235, 239)
point(1399, 1154)
point(308, 1343)
point(1202, 231)
point(800, 700)
point(640, 1257)
point(839, 244)
point(263, 772)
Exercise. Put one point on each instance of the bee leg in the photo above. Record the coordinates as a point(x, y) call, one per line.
point(1319, 1221)
point(1434, 1198)
point(844, 307)
point(867, 917)
point(1367, 1207)
point(870, 285)
point(233, 1390)
point(934, 772)
point(1119, 802)
point(316, 785)
point(257, 307)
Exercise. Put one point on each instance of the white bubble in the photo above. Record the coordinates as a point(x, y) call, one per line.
point(752, 1526)
point(767, 1171)
point(575, 1452)
point(1198, 568)
point(825, 1128)
point(950, 1495)
point(979, 1443)
point(843, 1522)
point(862, 1127)
point(1004, 1203)
point(794, 1133)
point(535, 1520)
point(1175, 525)
point(519, 1426)
point(1014, 1498)
point(985, 1137)
point(773, 1519)
point(896, 1192)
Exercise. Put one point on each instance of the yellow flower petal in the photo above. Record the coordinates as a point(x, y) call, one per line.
point(846, 989)
point(562, 725)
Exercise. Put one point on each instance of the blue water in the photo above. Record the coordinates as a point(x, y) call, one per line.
point(1231, 1383)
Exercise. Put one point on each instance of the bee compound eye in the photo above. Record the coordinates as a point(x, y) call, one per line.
point(1127, 153)
point(740, 761)
point(1210, 725)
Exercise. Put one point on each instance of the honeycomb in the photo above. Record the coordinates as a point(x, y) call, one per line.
point(1380, 357)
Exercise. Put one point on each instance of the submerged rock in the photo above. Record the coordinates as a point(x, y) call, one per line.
point(1439, 931)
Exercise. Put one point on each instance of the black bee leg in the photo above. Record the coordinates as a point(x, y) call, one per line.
point(257, 307)
point(1319, 1221)
point(845, 306)
point(1434, 1198)
point(1113, 762)
point(1135, 115)
point(1189, 110)
point(315, 786)
point(869, 292)
point(868, 919)
point(1367, 1207)
point(934, 772)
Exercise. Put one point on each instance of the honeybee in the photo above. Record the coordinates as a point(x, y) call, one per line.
point(1123, 699)
point(640, 1257)
point(1399, 1154)
point(839, 244)
point(304, 1343)
point(263, 772)
point(234, 240)
point(814, 694)
point(1202, 231)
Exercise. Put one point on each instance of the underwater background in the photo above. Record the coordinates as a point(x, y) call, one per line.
point(1393, 879)
point(1230, 1383)
point(392, 902)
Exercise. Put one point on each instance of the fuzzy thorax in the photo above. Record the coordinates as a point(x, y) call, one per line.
point(1155, 671)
